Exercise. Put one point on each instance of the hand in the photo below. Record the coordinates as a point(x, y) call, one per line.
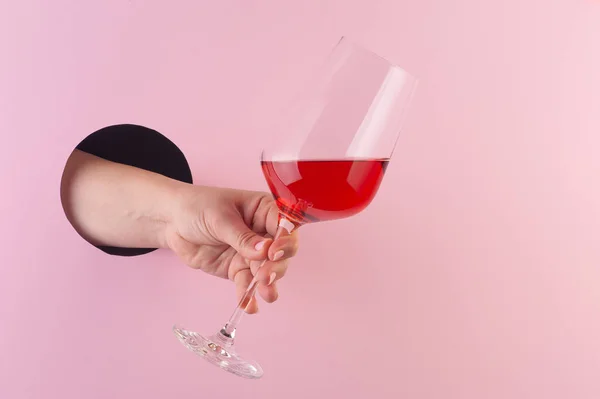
point(216, 230)
point(227, 233)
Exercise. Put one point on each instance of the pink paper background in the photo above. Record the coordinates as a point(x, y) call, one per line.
point(475, 273)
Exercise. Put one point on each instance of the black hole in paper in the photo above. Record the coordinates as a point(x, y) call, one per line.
point(140, 147)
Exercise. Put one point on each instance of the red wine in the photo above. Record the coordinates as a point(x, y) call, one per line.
point(313, 191)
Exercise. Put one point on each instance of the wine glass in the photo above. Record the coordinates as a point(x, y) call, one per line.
point(326, 161)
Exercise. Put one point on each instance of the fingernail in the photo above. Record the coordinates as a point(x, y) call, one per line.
point(278, 255)
point(260, 245)
point(272, 278)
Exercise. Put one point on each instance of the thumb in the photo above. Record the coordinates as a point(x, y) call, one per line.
point(235, 233)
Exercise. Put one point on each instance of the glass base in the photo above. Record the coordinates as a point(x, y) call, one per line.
point(218, 350)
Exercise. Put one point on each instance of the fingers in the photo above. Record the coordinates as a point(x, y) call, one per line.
point(265, 217)
point(268, 293)
point(267, 277)
point(280, 252)
point(242, 280)
point(238, 235)
point(249, 242)
point(271, 219)
point(284, 247)
point(267, 273)
point(234, 232)
point(271, 272)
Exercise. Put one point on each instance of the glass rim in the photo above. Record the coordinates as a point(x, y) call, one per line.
point(355, 43)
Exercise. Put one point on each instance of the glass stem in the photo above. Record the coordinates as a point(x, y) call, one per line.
point(228, 331)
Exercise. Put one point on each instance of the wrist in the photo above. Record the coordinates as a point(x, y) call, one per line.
point(172, 196)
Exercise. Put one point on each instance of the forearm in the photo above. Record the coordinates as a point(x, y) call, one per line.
point(117, 205)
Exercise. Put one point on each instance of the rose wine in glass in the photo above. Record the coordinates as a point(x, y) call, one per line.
point(326, 161)
point(316, 191)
